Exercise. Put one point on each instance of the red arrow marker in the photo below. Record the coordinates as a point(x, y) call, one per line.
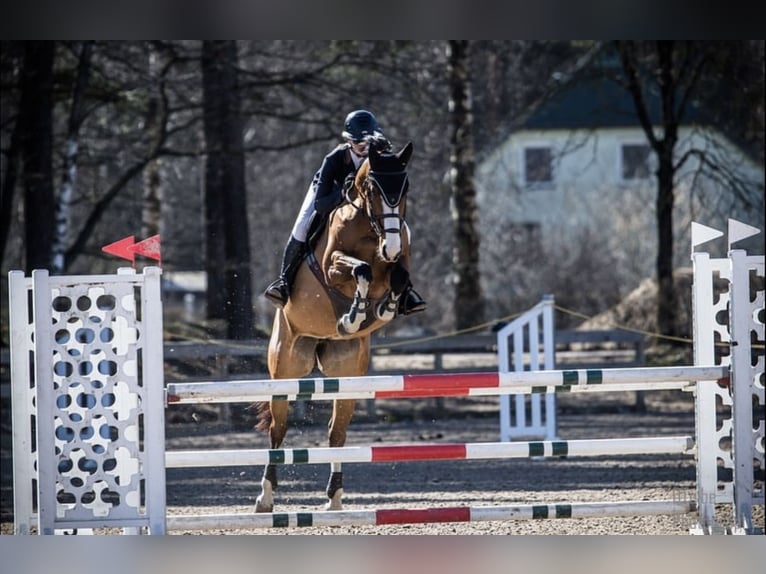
point(122, 248)
point(149, 247)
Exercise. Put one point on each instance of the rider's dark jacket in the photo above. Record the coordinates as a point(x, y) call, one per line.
point(329, 179)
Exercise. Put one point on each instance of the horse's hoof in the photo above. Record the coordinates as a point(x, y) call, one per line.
point(335, 503)
point(347, 326)
point(260, 506)
point(386, 310)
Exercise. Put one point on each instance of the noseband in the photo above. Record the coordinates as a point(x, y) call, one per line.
point(392, 187)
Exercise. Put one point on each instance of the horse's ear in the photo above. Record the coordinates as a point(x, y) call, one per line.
point(405, 154)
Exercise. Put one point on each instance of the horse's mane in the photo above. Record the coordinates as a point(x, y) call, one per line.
point(383, 147)
point(362, 172)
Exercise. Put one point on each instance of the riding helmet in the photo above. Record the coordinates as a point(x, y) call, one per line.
point(360, 124)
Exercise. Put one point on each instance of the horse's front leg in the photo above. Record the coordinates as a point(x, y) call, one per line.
point(277, 431)
point(386, 309)
point(400, 277)
point(344, 266)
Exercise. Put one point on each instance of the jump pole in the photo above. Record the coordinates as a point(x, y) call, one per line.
point(437, 451)
point(434, 385)
point(391, 516)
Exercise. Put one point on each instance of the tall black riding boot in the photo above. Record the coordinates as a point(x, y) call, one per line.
point(279, 291)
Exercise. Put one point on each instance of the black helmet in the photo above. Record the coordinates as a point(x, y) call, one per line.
point(359, 125)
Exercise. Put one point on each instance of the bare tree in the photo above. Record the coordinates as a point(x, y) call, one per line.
point(156, 109)
point(678, 72)
point(469, 304)
point(122, 133)
point(13, 154)
point(64, 200)
point(36, 117)
point(95, 138)
point(228, 245)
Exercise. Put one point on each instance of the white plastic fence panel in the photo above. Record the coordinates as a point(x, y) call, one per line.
point(528, 416)
point(96, 392)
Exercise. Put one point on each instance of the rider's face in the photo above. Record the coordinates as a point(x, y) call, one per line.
point(360, 148)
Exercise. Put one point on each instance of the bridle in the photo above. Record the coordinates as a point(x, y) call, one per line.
point(391, 187)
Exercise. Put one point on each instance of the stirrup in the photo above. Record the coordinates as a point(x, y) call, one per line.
point(411, 303)
point(277, 292)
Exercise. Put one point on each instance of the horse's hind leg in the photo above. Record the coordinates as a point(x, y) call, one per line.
point(277, 432)
point(341, 359)
point(342, 411)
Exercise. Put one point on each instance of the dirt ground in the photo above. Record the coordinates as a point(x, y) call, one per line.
point(436, 483)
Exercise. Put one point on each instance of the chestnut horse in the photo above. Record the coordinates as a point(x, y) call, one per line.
point(348, 286)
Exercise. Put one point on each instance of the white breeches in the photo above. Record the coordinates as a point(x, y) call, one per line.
point(301, 226)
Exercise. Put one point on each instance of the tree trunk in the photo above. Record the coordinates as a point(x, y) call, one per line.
point(215, 251)
point(664, 148)
point(36, 115)
point(229, 288)
point(469, 304)
point(64, 201)
point(152, 196)
point(667, 307)
point(9, 183)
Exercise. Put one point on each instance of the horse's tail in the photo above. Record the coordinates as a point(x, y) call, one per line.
point(263, 418)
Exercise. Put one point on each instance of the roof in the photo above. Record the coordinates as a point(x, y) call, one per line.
point(596, 102)
point(591, 96)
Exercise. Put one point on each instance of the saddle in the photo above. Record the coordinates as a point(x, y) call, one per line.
point(339, 301)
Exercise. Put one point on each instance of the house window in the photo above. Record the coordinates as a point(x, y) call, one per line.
point(636, 162)
point(538, 167)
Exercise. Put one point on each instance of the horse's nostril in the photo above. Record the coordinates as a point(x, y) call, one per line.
point(387, 256)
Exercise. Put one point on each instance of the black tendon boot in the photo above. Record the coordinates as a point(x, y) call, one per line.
point(279, 291)
point(411, 302)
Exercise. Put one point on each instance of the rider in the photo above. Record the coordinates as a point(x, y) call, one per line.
point(324, 194)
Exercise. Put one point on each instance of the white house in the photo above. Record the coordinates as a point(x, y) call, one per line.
point(580, 169)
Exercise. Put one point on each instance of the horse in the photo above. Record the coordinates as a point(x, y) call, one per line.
point(347, 287)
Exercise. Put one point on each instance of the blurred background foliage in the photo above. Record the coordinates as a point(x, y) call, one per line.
point(213, 144)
